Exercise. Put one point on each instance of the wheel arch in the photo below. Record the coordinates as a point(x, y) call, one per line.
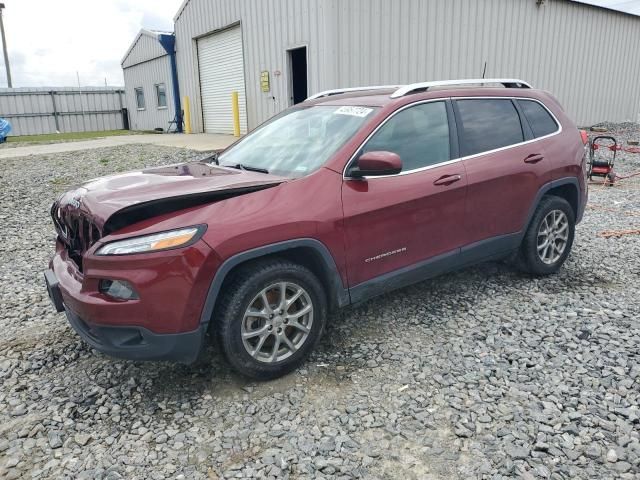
point(309, 252)
point(569, 192)
point(567, 188)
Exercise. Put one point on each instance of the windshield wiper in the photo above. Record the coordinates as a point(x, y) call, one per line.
point(249, 168)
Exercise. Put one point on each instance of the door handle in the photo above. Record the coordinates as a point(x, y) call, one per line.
point(447, 179)
point(533, 158)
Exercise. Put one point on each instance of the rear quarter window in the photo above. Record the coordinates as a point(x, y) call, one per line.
point(488, 124)
point(540, 120)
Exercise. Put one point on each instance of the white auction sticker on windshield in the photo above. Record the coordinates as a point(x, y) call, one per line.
point(353, 111)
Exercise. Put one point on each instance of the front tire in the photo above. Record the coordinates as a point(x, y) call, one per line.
point(549, 237)
point(270, 318)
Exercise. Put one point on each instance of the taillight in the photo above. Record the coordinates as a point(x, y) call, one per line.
point(585, 136)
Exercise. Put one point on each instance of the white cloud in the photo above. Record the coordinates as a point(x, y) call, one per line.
point(50, 40)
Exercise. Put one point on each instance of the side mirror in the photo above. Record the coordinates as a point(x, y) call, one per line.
point(374, 164)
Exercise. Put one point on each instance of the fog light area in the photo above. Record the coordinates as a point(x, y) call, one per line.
point(118, 289)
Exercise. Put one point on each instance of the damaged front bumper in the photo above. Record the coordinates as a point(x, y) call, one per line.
point(138, 343)
point(129, 342)
point(162, 324)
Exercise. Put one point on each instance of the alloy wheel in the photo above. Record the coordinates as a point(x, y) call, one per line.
point(277, 322)
point(553, 235)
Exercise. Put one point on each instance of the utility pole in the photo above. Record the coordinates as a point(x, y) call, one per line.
point(80, 92)
point(4, 48)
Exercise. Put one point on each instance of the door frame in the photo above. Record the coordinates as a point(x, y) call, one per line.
point(289, 87)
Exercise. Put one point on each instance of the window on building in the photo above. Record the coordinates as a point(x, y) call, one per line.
point(161, 95)
point(139, 98)
point(540, 120)
point(418, 134)
point(488, 124)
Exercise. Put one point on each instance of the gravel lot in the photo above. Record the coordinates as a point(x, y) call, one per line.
point(480, 373)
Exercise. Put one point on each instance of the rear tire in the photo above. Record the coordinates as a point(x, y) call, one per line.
point(549, 237)
point(263, 334)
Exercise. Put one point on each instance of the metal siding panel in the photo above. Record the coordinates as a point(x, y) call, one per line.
point(544, 45)
point(267, 34)
point(147, 75)
point(34, 108)
point(444, 46)
point(145, 48)
point(423, 39)
point(456, 32)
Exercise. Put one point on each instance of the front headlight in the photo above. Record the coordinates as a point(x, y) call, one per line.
point(153, 242)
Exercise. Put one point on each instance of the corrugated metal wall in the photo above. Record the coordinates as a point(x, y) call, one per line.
point(587, 56)
point(35, 111)
point(147, 75)
point(269, 28)
point(145, 47)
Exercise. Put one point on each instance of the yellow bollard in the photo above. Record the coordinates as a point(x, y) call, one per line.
point(187, 115)
point(236, 114)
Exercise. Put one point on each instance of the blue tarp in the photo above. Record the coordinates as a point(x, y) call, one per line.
point(5, 128)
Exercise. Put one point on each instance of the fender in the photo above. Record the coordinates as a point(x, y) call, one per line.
point(336, 287)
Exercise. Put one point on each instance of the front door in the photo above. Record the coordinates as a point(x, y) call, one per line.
point(394, 222)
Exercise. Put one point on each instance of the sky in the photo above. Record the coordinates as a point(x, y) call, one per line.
point(50, 40)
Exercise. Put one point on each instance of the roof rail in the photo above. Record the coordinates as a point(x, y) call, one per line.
point(337, 91)
point(423, 86)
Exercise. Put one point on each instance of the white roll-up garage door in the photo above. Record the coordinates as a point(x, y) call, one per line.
point(221, 65)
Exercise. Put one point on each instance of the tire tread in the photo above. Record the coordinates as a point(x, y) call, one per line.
point(527, 259)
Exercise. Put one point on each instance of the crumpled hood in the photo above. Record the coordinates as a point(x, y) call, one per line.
point(156, 191)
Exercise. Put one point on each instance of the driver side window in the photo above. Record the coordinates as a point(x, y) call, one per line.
point(418, 134)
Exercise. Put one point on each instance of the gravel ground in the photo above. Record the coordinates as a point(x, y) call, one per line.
point(480, 373)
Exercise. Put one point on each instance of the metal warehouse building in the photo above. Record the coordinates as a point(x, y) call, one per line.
point(276, 52)
point(149, 81)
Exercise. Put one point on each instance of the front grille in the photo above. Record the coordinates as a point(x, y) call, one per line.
point(76, 231)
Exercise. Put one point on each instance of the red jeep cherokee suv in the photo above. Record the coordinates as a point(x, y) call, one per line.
point(350, 194)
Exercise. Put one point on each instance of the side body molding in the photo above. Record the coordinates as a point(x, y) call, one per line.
point(340, 294)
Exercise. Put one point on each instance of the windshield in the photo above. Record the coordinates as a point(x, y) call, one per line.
point(297, 142)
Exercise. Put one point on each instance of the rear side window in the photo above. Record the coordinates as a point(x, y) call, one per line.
point(487, 124)
point(540, 121)
point(418, 134)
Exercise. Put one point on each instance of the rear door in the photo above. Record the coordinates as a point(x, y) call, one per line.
point(543, 126)
point(505, 166)
point(396, 221)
